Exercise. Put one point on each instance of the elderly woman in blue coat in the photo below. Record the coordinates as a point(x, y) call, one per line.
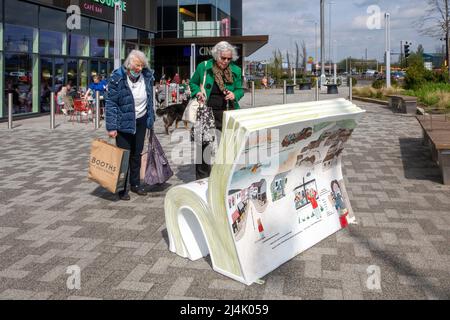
point(129, 113)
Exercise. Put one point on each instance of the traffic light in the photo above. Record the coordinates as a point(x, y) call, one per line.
point(406, 47)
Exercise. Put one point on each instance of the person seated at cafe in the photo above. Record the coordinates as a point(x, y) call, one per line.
point(71, 91)
point(264, 82)
point(95, 86)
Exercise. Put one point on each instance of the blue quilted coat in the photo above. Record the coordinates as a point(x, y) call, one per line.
point(120, 111)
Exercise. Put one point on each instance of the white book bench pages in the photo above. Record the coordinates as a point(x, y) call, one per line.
point(276, 189)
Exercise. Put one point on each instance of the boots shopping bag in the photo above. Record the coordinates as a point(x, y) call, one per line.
point(108, 165)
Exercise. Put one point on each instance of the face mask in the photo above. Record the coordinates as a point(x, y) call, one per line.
point(135, 74)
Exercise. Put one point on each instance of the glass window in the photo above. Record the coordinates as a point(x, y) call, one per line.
point(21, 13)
point(83, 72)
point(78, 40)
point(111, 40)
point(46, 83)
point(99, 37)
point(53, 20)
point(103, 69)
point(187, 18)
point(52, 24)
point(224, 6)
point(223, 17)
point(59, 74)
point(78, 44)
point(18, 81)
point(72, 72)
point(207, 25)
point(18, 38)
point(170, 18)
point(50, 42)
point(130, 35)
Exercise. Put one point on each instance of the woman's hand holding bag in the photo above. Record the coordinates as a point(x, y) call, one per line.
point(190, 113)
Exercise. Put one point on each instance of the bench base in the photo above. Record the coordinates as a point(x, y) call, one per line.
point(401, 105)
point(442, 157)
point(444, 164)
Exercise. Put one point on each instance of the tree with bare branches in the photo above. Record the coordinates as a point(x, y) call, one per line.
point(304, 57)
point(435, 22)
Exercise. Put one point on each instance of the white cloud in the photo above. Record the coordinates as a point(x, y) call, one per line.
point(289, 21)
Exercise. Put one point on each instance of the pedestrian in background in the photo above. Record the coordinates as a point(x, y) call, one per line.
point(129, 113)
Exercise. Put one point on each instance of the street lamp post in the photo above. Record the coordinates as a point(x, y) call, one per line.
point(117, 35)
point(388, 49)
point(316, 58)
point(322, 42)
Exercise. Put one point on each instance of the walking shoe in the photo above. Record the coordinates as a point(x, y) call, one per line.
point(139, 191)
point(124, 197)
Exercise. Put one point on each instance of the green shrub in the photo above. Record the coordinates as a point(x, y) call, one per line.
point(378, 84)
point(354, 82)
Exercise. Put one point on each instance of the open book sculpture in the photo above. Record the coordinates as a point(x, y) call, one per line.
point(276, 189)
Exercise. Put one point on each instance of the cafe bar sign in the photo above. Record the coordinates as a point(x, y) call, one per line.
point(111, 3)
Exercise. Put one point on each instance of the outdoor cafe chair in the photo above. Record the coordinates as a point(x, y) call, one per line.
point(81, 108)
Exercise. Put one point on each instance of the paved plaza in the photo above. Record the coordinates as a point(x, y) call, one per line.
point(52, 217)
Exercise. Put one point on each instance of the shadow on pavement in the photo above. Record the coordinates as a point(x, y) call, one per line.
point(104, 194)
point(402, 267)
point(165, 236)
point(417, 163)
point(186, 173)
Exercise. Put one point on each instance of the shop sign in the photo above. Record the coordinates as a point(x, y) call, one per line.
point(111, 3)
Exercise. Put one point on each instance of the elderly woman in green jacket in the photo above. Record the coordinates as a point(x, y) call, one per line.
point(223, 89)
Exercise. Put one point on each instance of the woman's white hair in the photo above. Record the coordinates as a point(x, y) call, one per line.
point(224, 46)
point(138, 55)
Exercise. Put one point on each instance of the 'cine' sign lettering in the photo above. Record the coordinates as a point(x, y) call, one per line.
point(111, 3)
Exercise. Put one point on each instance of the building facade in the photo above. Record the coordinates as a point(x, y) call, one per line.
point(45, 44)
point(203, 23)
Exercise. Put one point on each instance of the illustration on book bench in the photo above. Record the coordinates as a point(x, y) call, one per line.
point(253, 217)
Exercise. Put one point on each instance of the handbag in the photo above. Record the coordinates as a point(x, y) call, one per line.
point(157, 170)
point(190, 113)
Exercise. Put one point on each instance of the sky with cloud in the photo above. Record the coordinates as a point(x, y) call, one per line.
point(290, 21)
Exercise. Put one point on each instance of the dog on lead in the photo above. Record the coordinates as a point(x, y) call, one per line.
point(173, 113)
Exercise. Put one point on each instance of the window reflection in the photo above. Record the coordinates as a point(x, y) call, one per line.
point(18, 81)
point(50, 42)
point(18, 38)
point(99, 38)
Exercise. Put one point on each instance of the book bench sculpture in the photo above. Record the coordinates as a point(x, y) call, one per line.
point(276, 189)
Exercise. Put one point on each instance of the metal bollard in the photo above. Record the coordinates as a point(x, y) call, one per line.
point(97, 110)
point(284, 92)
point(167, 95)
point(178, 93)
point(253, 94)
point(317, 93)
point(350, 85)
point(154, 99)
point(52, 111)
point(10, 108)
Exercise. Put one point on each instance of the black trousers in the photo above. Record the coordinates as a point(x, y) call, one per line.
point(203, 169)
point(134, 143)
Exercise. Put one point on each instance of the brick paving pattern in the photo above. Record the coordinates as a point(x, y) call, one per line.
point(52, 217)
